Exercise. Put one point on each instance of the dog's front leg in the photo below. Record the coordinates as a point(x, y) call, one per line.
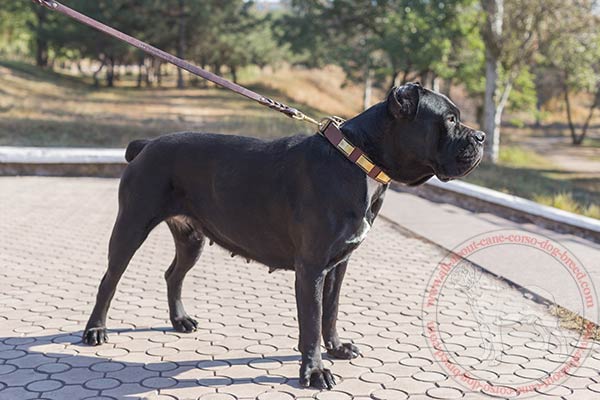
point(309, 301)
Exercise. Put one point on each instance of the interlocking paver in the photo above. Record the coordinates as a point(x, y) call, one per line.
point(53, 240)
point(20, 392)
point(79, 375)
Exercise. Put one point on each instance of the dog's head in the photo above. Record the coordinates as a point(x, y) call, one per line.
point(427, 137)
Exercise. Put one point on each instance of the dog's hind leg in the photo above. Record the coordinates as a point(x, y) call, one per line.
point(331, 295)
point(188, 246)
point(141, 208)
point(128, 234)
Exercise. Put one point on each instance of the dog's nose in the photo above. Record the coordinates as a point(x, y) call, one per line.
point(479, 136)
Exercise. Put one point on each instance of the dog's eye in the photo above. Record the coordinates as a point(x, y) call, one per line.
point(452, 119)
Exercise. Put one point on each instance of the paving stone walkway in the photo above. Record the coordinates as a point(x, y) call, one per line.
point(485, 339)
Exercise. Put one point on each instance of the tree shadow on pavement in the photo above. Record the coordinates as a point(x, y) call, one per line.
point(61, 366)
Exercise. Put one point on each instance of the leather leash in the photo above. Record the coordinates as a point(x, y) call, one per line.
point(329, 127)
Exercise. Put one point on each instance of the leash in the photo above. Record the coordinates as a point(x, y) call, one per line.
point(329, 127)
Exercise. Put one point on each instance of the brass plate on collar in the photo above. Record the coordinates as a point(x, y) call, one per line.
point(383, 178)
point(346, 147)
point(365, 163)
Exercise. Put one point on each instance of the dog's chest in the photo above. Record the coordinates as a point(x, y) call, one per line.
point(373, 192)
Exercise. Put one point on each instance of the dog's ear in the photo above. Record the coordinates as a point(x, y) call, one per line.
point(403, 101)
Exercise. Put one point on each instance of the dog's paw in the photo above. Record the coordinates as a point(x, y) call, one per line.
point(346, 351)
point(317, 377)
point(95, 336)
point(185, 324)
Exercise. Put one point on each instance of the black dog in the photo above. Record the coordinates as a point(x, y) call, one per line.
point(294, 203)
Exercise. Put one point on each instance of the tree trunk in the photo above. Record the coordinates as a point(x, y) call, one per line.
point(538, 109)
point(491, 124)
point(394, 79)
point(41, 43)
point(140, 77)
point(586, 125)
point(234, 75)
point(500, 109)
point(149, 76)
point(368, 88)
point(447, 87)
point(95, 75)
point(181, 42)
point(568, 108)
point(110, 72)
point(492, 113)
point(424, 77)
point(404, 76)
point(159, 74)
point(435, 82)
point(576, 139)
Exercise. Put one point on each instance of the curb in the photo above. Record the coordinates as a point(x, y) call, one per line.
point(60, 155)
point(61, 161)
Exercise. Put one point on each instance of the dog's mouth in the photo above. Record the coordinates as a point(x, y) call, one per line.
point(420, 181)
point(464, 164)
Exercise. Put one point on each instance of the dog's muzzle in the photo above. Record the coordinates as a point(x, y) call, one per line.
point(468, 154)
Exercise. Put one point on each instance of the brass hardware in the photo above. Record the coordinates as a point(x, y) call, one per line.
point(383, 178)
point(337, 121)
point(300, 116)
point(346, 147)
point(365, 163)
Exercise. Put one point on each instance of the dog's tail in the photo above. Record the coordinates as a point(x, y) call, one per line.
point(134, 148)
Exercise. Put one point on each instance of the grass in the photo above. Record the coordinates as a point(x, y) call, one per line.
point(591, 142)
point(565, 201)
point(573, 321)
point(527, 174)
point(516, 156)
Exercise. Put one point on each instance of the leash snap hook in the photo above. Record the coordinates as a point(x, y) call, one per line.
point(297, 115)
point(300, 116)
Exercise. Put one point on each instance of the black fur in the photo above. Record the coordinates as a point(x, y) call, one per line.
point(294, 203)
point(134, 149)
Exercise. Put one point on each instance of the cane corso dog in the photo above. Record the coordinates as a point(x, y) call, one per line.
point(295, 203)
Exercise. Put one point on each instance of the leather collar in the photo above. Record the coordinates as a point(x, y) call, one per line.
point(331, 131)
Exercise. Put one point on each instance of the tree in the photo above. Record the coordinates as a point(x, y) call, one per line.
point(305, 21)
point(512, 31)
point(383, 41)
point(14, 33)
point(341, 32)
point(169, 26)
point(41, 24)
point(264, 47)
point(464, 62)
point(417, 37)
point(74, 40)
point(574, 56)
